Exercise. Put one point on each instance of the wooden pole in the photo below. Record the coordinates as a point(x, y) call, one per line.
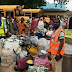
point(11, 28)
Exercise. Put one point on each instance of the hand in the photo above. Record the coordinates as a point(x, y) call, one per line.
point(58, 57)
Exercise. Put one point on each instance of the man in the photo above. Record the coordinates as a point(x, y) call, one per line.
point(57, 46)
point(15, 26)
point(22, 27)
point(2, 34)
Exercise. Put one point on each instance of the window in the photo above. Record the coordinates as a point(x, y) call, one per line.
point(2, 13)
point(28, 14)
point(17, 12)
point(21, 13)
point(34, 14)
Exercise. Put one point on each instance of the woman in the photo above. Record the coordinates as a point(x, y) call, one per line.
point(33, 24)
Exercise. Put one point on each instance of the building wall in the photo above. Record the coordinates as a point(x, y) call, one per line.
point(69, 14)
point(62, 14)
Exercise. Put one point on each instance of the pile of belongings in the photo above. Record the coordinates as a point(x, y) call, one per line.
point(30, 56)
point(41, 30)
point(25, 39)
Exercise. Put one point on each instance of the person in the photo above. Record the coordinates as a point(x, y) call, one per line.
point(22, 27)
point(51, 24)
point(38, 20)
point(7, 28)
point(30, 19)
point(61, 22)
point(15, 26)
point(66, 24)
point(33, 24)
point(40, 23)
point(29, 23)
point(57, 46)
point(12, 20)
point(2, 31)
point(46, 25)
point(70, 23)
point(53, 18)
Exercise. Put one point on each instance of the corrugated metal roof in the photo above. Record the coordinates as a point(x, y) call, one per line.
point(49, 6)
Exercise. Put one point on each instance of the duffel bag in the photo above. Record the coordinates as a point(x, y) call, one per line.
point(32, 49)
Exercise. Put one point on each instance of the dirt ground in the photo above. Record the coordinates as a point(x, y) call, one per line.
point(11, 69)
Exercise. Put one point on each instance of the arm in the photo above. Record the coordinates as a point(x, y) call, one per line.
point(27, 27)
point(61, 45)
point(61, 38)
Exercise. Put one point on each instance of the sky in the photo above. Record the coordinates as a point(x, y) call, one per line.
point(69, 5)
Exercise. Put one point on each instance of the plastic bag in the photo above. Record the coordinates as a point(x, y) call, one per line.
point(43, 44)
point(12, 45)
point(22, 63)
point(35, 39)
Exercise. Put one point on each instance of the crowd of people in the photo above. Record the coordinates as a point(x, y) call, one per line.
point(24, 27)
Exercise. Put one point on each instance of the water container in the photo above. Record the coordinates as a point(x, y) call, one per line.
point(67, 61)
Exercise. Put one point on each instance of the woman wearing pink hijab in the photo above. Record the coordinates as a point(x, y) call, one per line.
point(33, 24)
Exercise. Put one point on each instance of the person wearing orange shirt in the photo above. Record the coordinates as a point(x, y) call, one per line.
point(22, 27)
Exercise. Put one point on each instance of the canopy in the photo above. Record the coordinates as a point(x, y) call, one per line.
point(32, 10)
point(8, 7)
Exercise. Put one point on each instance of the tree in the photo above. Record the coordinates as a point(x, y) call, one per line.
point(27, 3)
point(61, 2)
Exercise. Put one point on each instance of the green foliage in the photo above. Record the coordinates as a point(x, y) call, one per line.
point(27, 3)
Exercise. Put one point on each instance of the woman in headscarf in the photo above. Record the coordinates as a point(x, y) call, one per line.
point(22, 27)
point(33, 24)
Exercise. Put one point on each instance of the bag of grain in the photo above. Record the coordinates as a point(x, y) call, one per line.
point(7, 60)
